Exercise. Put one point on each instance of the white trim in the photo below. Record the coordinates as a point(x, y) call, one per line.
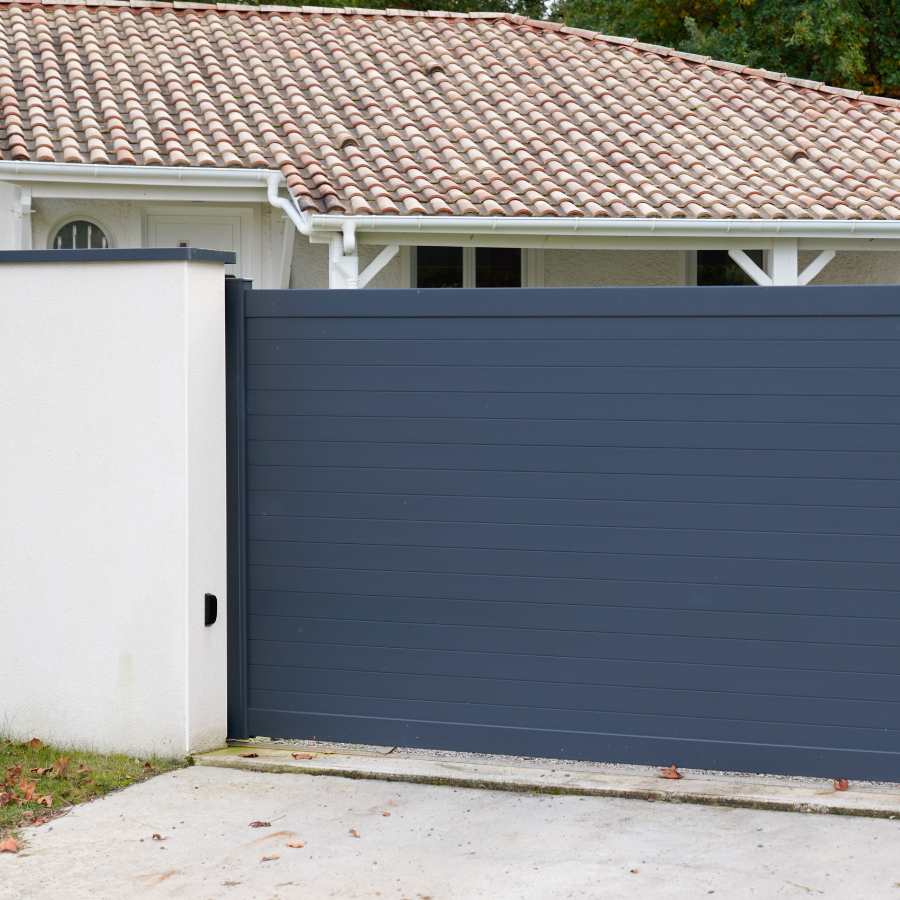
point(764, 230)
point(750, 268)
point(143, 175)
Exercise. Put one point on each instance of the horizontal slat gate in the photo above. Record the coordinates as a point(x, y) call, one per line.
point(645, 525)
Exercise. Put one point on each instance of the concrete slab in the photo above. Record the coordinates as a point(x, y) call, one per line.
point(771, 792)
point(437, 843)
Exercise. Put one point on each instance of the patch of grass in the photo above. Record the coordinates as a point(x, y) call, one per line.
point(38, 781)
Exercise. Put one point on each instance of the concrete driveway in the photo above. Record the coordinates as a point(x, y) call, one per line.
point(437, 843)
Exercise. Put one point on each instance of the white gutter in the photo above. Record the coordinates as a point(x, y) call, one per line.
point(160, 176)
point(548, 226)
point(596, 227)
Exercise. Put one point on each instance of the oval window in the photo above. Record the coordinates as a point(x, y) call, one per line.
point(80, 235)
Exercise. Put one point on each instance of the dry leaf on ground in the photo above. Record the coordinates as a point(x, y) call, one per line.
point(670, 772)
point(35, 744)
point(156, 836)
point(354, 832)
point(249, 755)
point(270, 857)
point(295, 845)
point(260, 824)
point(304, 755)
point(46, 800)
point(9, 845)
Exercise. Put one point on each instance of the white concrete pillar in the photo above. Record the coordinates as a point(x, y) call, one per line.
point(112, 521)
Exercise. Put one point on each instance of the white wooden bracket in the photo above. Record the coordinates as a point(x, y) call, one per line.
point(782, 263)
point(751, 268)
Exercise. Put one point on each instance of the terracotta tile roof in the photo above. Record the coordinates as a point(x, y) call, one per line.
point(438, 113)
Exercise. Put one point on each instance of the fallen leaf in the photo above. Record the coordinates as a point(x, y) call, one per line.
point(27, 789)
point(9, 845)
point(296, 845)
point(60, 767)
point(46, 800)
point(670, 772)
point(12, 773)
point(354, 832)
point(148, 767)
point(156, 836)
point(40, 772)
point(270, 857)
point(634, 871)
point(249, 755)
point(304, 755)
point(35, 744)
point(6, 798)
point(43, 820)
point(260, 824)
point(841, 784)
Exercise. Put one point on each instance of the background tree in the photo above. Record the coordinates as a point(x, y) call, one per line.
point(848, 43)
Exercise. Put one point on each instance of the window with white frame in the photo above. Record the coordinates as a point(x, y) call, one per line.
point(457, 267)
point(716, 267)
point(80, 234)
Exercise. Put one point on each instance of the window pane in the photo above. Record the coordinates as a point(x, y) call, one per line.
point(80, 235)
point(439, 267)
point(717, 267)
point(497, 267)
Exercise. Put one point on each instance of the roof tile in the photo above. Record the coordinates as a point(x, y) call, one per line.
point(380, 112)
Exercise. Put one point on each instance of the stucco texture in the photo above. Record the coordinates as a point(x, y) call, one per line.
point(113, 522)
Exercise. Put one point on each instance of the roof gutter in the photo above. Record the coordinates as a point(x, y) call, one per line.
point(161, 176)
point(537, 226)
point(597, 227)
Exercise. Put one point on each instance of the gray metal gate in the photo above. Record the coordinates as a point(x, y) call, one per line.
point(651, 525)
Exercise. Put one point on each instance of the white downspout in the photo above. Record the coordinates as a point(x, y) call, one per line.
point(287, 206)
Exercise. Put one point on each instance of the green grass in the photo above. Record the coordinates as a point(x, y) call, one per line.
point(64, 776)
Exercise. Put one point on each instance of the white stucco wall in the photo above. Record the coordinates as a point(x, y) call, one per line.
point(119, 219)
point(112, 526)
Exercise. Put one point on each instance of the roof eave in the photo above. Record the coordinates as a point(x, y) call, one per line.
point(533, 227)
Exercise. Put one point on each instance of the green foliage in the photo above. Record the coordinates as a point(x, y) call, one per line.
point(847, 43)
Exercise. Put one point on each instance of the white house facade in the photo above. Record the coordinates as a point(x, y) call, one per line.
point(516, 153)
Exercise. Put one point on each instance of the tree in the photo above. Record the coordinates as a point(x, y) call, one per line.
point(848, 43)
